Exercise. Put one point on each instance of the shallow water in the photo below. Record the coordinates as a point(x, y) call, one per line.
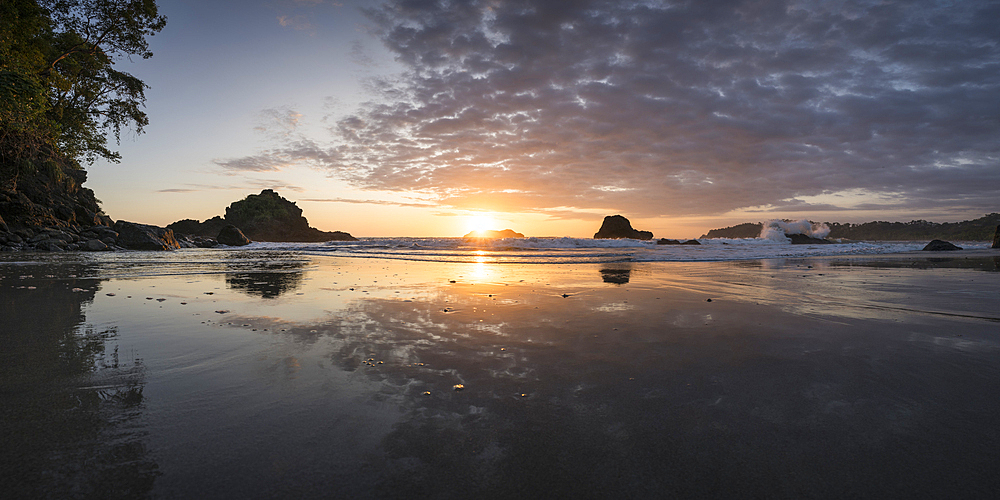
point(261, 373)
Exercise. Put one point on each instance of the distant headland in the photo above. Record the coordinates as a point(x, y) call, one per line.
point(981, 229)
point(492, 234)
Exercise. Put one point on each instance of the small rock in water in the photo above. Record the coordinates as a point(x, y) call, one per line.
point(708, 300)
point(160, 300)
point(209, 293)
point(222, 311)
point(565, 295)
point(110, 294)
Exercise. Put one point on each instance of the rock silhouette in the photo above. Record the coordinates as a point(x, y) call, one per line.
point(617, 226)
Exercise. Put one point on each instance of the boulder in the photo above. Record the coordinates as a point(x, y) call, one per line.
point(94, 245)
point(232, 236)
point(51, 245)
point(135, 236)
point(665, 241)
point(802, 239)
point(996, 239)
point(940, 246)
point(691, 242)
point(616, 226)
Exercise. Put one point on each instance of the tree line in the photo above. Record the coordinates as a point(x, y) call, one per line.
point(61, 96)
point(981, 229)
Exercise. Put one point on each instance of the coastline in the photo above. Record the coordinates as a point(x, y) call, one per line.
point(267, 373)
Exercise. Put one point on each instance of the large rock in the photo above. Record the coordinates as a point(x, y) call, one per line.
point(262, 217)
point(616, 226)
point(94, 245)
point(209, 229)
point(135, 236)
point(232, 236)
point(804, 239)
point(996, 239)
point(940, 246)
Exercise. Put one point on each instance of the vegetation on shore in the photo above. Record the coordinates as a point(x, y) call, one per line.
point(60, 93)
point(981, 229)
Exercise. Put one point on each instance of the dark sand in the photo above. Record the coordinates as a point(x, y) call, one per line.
point(269, 375)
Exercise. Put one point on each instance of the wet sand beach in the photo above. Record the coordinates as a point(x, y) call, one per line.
point(258, 374)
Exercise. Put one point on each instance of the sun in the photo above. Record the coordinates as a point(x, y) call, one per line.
point(480, 223)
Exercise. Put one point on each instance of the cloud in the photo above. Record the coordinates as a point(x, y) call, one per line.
point(248, 184)
point(300, 151)
point(299, 23)
point(371, 202)
point(676, 108)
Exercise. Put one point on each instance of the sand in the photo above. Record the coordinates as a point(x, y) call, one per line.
point(255, 374)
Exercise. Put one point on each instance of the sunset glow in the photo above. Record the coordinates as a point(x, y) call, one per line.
point(480, 223)
point(681, 116)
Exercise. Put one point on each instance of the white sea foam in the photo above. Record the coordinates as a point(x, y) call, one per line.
point(778, 229)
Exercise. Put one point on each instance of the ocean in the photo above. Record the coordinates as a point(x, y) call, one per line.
point(587, 250)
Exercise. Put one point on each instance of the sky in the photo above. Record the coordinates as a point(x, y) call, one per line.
point(433, 118)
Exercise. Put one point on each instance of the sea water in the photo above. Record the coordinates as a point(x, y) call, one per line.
point(587, 250)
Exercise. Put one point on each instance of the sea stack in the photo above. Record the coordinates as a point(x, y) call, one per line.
point(617, 226)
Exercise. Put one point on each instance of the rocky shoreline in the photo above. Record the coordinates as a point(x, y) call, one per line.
point(55, 213)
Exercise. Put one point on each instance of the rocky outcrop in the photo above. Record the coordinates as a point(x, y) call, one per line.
point(190, 227)
point(617, 226)
point(940, 246)
point(232, 236)
point(261, 217)
point(48, 211)
point(802, 239)
point(996, 239)
point(135, 236)
point(665, 241)
point(493, 234)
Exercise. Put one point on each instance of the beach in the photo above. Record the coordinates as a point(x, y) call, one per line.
point(265, 373)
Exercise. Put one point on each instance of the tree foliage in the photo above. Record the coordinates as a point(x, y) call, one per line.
point(60, 94)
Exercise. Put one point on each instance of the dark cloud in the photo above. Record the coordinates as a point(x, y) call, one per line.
point(677, 108)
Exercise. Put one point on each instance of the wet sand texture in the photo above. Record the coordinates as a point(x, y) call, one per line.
point(270, 374)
